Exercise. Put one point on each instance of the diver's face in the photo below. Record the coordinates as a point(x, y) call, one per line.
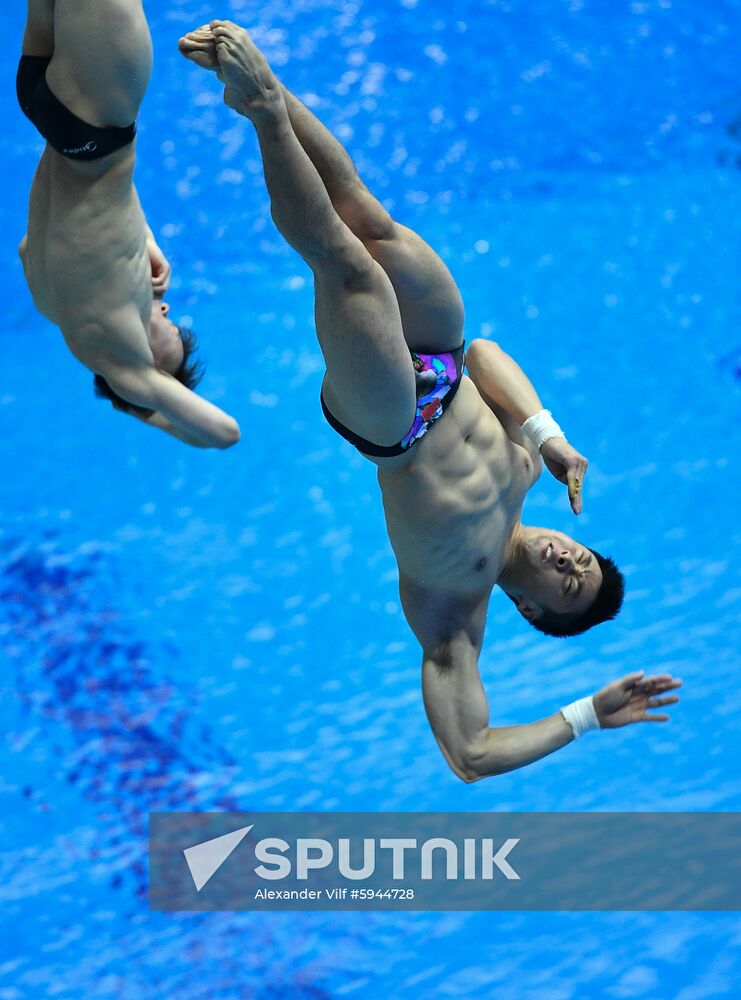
point(564, 577)
point(164, 339)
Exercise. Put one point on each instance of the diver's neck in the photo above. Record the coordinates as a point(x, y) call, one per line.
point(512, 577)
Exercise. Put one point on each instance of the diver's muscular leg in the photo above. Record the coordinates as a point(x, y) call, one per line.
point(429, 301)
point(370, 379)
point(102, 59)
point(38, 37)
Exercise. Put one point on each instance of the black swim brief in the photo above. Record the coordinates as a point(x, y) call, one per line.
point(65, 132)
point(437, 377)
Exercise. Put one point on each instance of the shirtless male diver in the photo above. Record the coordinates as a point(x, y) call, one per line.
point(389, 320)
point(91, 262)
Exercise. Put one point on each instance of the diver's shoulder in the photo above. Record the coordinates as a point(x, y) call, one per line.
point(106, 342)
point(438, 611)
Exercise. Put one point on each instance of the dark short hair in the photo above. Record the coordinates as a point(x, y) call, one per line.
point(189, 373)
point(603, 608)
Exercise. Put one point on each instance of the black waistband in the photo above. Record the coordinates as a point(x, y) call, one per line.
point(65, 132)
point(389, 451)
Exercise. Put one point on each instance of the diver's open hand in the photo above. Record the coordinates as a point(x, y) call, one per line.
point(567, 465)
point(629, 699)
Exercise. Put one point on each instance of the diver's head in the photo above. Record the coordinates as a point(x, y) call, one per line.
point(559, 585)
point(173, 349)
point(164, 339)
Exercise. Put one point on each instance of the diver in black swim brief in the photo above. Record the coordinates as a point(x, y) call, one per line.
point(65, 132)
point(91, 262)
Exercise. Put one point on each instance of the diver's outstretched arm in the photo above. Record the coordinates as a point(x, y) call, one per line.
point(450, 631)
point(458, 711)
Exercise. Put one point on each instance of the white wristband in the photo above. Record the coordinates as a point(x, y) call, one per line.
point(540, 427)
point(581, 716)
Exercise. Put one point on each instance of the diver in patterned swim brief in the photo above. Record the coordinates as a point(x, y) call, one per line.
point(437, 378)
point(65, 132)
point(453, 518)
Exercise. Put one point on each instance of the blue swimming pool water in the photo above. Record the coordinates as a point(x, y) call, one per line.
point(213, 631)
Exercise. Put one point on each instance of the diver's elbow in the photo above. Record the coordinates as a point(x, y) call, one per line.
point(229, 434)
point(467, 775)
point(477, 761)
point(464, 767)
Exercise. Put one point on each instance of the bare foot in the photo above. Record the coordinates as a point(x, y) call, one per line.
point(200, 47)
point(244, 69)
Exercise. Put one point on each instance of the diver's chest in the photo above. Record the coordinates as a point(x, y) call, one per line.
point(458, 547)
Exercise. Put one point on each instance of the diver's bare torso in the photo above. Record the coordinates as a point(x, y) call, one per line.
point(451, 504)
point(85, 257)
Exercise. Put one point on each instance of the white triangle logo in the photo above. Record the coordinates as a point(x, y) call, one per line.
point(205, 859)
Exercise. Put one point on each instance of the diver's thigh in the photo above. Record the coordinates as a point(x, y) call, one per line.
point(370, 384)
point(430, 304)
point(102, 59)
point(38, 36)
